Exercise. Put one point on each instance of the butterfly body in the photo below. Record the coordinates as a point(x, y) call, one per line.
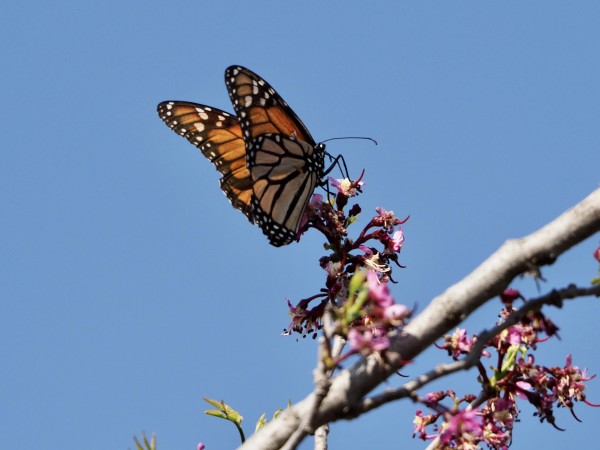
point(269, 162)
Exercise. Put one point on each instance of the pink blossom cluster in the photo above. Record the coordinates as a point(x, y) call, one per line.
point(489, 417)
point(378, 318)
point(371, 254)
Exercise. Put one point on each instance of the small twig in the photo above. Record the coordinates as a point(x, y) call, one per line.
point(480, 400)
point(433, 444)
point(554, 298)
point(338, 346)
point(321, 437)
point(322, 377)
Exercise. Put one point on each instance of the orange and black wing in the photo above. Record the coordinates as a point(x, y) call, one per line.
point(284, 162)
point(285, 172)
point(219, 137)
point(260, 108)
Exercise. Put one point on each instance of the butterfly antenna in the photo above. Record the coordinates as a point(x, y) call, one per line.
point(339, 160)
point(350, 137)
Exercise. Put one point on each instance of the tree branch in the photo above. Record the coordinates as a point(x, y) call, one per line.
point(554, 298)
point(447, 310)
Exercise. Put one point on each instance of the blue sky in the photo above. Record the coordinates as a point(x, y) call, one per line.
point(131, 288)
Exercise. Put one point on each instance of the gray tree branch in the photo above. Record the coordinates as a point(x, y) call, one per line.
point(345, 396)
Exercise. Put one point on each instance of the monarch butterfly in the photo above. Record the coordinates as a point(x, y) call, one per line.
point(269, 162)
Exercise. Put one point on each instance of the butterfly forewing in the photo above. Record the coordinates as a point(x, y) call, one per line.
point(260, 109)
point(219, 137)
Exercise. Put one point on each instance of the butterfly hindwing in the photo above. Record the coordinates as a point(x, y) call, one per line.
point(284, 172)
point(218, 135)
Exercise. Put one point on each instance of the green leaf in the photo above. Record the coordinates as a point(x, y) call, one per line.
point(261, 422)
point(223, 411)
point(216, 413)
point(276, 413)
point(215, 403)
point(508, 363)
point(356, 282)
point(226, 412)
point(151, 445)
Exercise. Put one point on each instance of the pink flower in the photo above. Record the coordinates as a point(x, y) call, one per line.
point(570, 383)
point(345, 186)
point(597, 254)
point(513, 335)
point(334, 269)
point(366, 342)
point(393, 243)
point(312, 210)
point(386, 218)
point(201, 446)
point(462, 426)
point(421, 422)
point(523, 387)
point(437, 396)
point(509, 295)
point(378, 291)
point(503, 411)
point(372, 260)
point(316, 200)
point(396, 312)
point(398, 240)
point(458, 343)
point(496, 437)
